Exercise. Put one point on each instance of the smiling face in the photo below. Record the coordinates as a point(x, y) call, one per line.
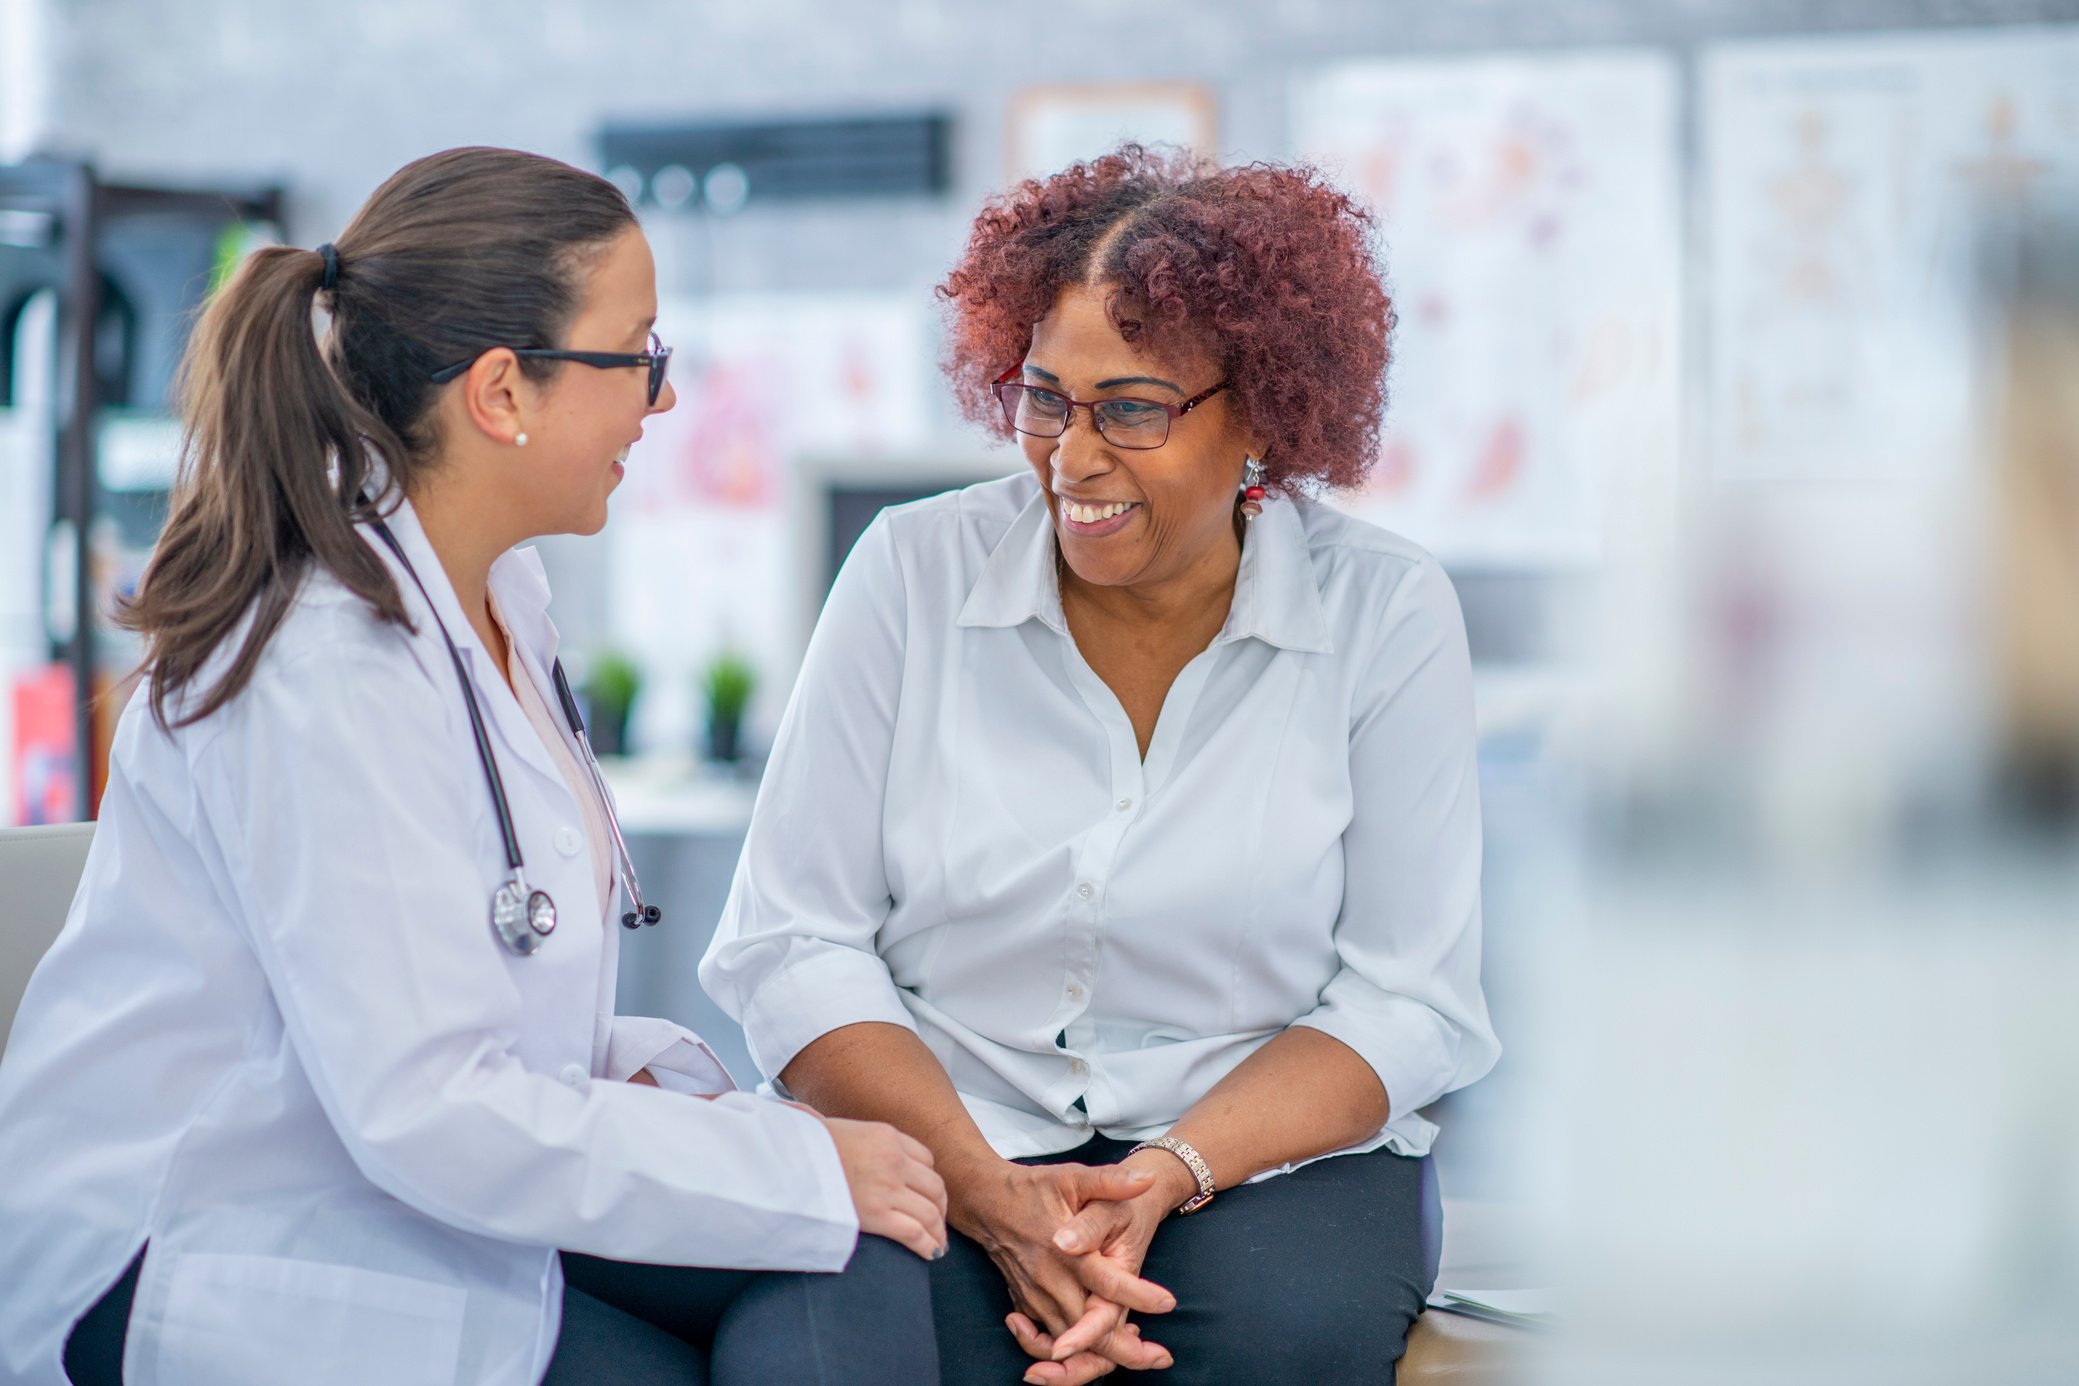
point(587, 418)
point(581, 421)
point(1129, 517)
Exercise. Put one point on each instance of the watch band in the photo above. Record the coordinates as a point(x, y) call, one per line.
point(1193, 1161)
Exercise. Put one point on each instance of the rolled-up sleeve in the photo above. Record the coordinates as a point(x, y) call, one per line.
point(679, 1060)
point(793, 957)
point(1407, 996)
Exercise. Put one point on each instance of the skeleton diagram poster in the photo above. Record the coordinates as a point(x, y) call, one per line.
point(1528, 213)
point(1851, 185)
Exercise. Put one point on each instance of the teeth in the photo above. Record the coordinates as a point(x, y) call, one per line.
point(1091, 514)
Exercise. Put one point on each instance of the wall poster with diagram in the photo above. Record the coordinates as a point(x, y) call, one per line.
point(1529, 218)
point(1853, 187)
point(702, 549)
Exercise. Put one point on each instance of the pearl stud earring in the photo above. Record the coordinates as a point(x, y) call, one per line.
point(519, 440)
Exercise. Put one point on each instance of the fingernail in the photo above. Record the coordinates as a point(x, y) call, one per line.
point(1165, 1362)
point(1034, 1378)
point(938, 1253)
point(1169, 1302)
point(1066, 1240)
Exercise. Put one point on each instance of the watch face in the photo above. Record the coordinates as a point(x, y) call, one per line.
point(511, 911)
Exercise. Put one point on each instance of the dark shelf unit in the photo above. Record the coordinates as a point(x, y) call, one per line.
point(70, 209)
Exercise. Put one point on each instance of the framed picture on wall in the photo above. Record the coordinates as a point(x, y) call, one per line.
point(1051, 127)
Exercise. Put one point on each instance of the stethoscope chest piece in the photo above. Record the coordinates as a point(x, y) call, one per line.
point(520, 917)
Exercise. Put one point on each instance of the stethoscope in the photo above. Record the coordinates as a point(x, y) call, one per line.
point(521, 917)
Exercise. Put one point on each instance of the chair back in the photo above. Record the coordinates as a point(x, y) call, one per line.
point(39, 874)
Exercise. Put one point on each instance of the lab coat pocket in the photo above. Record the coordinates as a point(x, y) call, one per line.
point(230, 1320)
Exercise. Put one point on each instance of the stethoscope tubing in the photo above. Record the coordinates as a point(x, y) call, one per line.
point(506, 832)
point(643, 913)
point(501, 808)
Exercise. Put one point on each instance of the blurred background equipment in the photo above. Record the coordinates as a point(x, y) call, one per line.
point(99, 282)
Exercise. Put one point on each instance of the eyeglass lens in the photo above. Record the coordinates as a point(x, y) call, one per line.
point(1130, 423)
point(660, 362)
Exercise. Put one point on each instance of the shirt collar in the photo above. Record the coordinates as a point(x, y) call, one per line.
point(1276, 596)
point(1019, 580)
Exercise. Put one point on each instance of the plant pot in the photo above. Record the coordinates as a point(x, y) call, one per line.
point(723, 740)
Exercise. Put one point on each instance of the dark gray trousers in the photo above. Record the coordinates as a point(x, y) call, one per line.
point(641, 1325)
point(1310, 1278)
point(638, 1325)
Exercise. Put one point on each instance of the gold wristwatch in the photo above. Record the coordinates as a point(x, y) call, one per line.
point(1193, 1161)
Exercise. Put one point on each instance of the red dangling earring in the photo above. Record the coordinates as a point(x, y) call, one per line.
point(1252, 488)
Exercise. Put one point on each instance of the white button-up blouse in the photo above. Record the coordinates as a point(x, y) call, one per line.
point(957, 832)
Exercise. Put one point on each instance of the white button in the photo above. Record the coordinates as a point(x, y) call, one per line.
point(1075, 992)
point(1077, 1066)
point(568, 841)
point(1084, 890)
point(573, 1076)
point(1123, 805)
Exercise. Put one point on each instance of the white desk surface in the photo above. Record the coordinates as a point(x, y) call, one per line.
point(677, 796)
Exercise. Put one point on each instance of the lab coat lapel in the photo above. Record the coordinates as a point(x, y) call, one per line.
point(521, 587)
point(512, 734)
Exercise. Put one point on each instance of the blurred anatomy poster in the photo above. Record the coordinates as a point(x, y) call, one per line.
point(1528, 213)
point(1848, 182)
point(704, 531)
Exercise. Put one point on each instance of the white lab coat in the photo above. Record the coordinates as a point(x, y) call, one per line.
point(278, 1041)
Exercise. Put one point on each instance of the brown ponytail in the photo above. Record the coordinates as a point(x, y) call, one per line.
point(456, 253)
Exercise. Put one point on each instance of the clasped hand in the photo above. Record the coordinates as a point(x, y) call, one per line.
point(1070, 1241)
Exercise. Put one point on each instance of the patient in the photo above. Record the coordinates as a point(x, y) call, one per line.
point(1134, 798)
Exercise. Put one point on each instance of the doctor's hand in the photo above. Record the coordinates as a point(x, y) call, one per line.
point(898, 1194)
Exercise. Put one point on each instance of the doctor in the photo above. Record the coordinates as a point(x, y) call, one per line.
point(322, 1081)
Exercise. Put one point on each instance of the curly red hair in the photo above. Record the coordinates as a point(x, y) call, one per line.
point(1268, 268)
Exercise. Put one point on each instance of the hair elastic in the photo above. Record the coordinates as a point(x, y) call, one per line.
point(331, 257)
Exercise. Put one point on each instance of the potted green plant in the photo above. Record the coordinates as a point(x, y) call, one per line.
point(727, 686)
point(611, 684)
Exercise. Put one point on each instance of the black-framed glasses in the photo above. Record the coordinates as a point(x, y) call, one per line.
point(657, 359)
point(1122, 422)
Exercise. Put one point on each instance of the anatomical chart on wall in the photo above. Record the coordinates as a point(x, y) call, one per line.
point(1528, 219)
point(704, 531)
point(1854, 188)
